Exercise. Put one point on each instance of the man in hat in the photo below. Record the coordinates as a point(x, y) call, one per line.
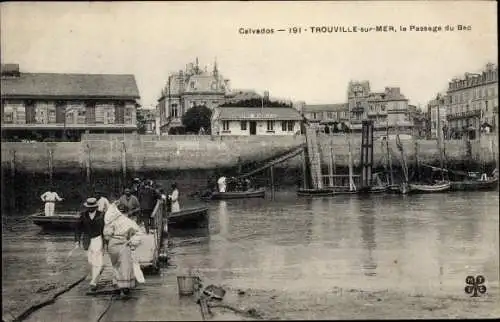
point(147, 199)
point(90, 226)
point(102, 202)
point(50, 197)
point(130, 203)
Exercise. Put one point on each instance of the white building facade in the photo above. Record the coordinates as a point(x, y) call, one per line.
point(244, 121)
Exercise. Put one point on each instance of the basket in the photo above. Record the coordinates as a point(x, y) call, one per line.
point(187, 284)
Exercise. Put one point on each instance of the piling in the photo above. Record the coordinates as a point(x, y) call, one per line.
point(87, 164)
point(51, 164)
point(12, 163)
point(272, 181)
point(304, 169)
point(124, 161)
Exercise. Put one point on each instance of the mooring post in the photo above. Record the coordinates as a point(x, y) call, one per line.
point(124, 162)
point(87, 163)
point(12, 163)
point(304, 169)
point(51, 167)
point(272, 181)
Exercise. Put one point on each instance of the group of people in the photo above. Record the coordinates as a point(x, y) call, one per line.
point(114, 227)
point(233, 184)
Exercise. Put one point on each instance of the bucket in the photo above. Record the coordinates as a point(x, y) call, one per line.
point(187, 284)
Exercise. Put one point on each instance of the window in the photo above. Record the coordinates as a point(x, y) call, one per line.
point(314, 115)
point(329, 115)
point(192, 85)
point(243, 125)
point(225, 125)
point(291, 126)
point(270, 126)
point(283, 126)
point(174, 112)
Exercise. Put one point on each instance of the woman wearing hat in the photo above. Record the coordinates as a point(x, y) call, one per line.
point(90, 226)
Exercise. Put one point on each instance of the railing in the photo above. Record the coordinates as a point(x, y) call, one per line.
point(67, 126)
point(159, 212)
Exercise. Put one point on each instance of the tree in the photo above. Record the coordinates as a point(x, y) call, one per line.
point(256, 102)
point(197, 117)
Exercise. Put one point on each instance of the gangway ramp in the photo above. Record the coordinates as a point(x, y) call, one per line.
point(276, 160)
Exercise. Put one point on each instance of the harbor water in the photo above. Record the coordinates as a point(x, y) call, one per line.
point(419, 244)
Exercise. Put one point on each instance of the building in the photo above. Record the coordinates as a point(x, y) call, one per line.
point(419, 120)
point(189, 88)
point(385, 109)
point(255, 121)
point(473, 103)
point(149, 118)
point(436, 111)
point(39, 106)
point(327, 117)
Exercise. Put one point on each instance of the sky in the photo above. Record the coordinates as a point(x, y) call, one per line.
point(153, 39)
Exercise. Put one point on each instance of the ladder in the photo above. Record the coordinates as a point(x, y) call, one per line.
point(314, 157)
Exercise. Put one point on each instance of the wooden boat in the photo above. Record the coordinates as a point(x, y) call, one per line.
point(474, 185)
point(60, 221)
point(316, 192)
point(430, 188)
point(378, 189)
point(258, 193)
point(187, 216)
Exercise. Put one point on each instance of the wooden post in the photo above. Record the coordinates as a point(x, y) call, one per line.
point(51, 166)
point(87, 164)
point(124, 162)
point(304, 169)
point(272, 181)
point(12, 163)
point(330, 167)
point(417, 165)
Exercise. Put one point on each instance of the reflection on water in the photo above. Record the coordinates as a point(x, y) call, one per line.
point(423, 243)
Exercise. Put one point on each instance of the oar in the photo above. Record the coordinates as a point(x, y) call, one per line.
point(71, 253)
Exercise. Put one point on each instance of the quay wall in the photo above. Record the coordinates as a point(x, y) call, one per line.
point(145, 153)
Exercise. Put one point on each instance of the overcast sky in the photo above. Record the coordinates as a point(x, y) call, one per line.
point(150, 40)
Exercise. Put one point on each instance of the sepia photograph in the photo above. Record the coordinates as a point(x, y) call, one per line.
point(249, 160)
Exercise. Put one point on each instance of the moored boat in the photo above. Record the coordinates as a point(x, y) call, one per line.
point(474, 185)
point(429, 188)
point(258, 193)
point(60, 221)
point(316, 192)
point(187, 216)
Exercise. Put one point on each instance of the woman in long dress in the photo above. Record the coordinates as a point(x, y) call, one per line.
point(122, 235)
point(174, 198)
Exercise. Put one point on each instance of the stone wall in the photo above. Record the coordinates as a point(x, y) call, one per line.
point(172, 153)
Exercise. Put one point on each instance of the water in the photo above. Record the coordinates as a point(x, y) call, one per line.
point(425, 244)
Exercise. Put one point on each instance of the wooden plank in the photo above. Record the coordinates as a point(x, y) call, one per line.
point(145, 252)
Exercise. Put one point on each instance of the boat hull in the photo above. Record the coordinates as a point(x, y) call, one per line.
point(474, 185)
point(187, 217)
point(323, 192)
point(424, 188)
point(260, 193)
point(56, 222)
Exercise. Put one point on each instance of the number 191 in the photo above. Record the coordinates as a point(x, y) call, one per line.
point(294, 30)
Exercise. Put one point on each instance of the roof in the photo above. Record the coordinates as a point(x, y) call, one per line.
point(258, 113)
point(325, 107)
point(70, 85)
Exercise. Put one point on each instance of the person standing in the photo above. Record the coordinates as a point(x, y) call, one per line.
point(147, 200)
point(130, 203)
point(90, 226)
point(102, 202)
point(50, 197)
point(123, 236)
point(174, 198)
point(222, 184)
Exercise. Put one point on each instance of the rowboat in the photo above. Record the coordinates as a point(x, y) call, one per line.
point(187, 216)
point(60, 221)
point(474, 185)
point(258, 193)
point(379, 189)
point(430, 188)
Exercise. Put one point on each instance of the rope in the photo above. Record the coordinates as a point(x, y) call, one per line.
point(112, 297)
